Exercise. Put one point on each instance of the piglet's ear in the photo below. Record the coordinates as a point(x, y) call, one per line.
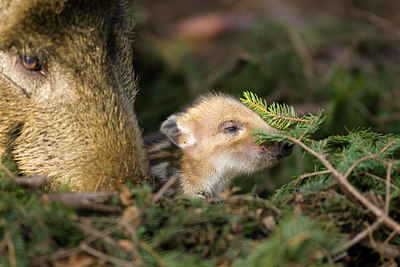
point(179, 131)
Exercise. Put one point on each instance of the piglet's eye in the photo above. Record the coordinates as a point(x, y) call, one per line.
point(31, 63)
point(231, 129)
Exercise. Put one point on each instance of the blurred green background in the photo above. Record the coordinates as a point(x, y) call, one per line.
point(341, 56)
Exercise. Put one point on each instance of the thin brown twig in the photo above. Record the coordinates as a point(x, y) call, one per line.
point(104, 235)
point(86, 200)
point(100, 219)
point(329, 258)
point(9, 230)
point(302, 51)
point(389, 250)
point(387, 240)
point(132, 232)
point(102, 175)
point(388, 145)
point(373, 176)
point(349, 188)
point(9, 173)
point(149, 249)
point(11, 250)
point(98, 183)
point(104, 256)
point(308, 127)
point(106, 232)
point(377, 21)
point(388, 173)
point(343, 57)
point(371, 237)
point(349, 170)
point(3, 242)
point(87, 228)
point(355, 164)
point(157, 196)
point(60, 254)
point(358, 238)
point(310, 174)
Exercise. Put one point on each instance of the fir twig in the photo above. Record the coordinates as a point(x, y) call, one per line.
point(349, 188)
point(282, 117)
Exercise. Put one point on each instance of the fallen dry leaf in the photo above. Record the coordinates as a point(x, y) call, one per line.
point(132, 215)
point(269, 223)
point(126, 245)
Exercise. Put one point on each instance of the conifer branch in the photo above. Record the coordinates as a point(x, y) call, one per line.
point(349, 188)
point(294, 129)
point(283, 117)
point(254, 101)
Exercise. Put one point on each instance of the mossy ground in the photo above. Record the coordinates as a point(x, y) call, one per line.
point(341, 57)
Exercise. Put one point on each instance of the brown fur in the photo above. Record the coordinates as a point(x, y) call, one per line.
point(73, 120)
point(209, 144)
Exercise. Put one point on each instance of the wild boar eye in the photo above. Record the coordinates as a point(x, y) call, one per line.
point(31, 63)
point(231, 129)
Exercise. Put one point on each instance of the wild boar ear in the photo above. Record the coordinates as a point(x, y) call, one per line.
point(179, 131)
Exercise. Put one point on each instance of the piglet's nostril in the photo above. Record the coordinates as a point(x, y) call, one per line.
point(264, 144)
point(285, 148)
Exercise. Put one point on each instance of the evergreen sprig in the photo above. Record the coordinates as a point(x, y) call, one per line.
point(282, 117)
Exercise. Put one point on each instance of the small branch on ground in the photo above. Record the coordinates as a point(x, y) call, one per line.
point(387, 249)
point(157, 196)
point(85, 200)
point(388, 196)
point(358, 238)
point(103, 256)
point(34, 181)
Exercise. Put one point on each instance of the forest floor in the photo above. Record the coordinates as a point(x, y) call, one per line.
point(334, 202)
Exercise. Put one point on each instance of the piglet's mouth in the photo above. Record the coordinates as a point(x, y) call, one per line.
point(280, 150)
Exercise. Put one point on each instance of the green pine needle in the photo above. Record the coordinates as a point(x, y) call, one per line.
point(282, 117)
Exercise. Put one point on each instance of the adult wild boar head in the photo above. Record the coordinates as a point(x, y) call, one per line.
point(66, 92)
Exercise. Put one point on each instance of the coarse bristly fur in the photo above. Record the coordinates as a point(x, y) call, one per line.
point(71, 117)
point(209, 144)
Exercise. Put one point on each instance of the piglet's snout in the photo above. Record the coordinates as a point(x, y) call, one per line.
point(281, 149)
